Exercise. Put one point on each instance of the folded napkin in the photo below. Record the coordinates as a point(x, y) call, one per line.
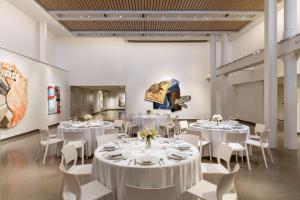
point(114, 155)
point(183, 146)
point(176, 155)
point(109, 146)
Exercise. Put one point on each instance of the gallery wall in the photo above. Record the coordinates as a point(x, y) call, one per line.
point(39, 76)
point(111, 100)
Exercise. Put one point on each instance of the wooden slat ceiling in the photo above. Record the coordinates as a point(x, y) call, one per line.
point(153, 5)
point(154, 25)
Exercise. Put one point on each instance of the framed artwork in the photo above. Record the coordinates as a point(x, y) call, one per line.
point(53, 99)
point(13, 95)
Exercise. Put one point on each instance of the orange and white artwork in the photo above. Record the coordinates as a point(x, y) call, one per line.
point(13, 95)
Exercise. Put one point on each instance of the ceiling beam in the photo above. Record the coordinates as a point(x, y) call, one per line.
point(147, 33)
point(72, 15)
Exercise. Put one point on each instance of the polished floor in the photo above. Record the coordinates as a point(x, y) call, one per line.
point(111, 115)
point(23, 178)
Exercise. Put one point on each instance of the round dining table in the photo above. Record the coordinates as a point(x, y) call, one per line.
point(159, 120)
point(217, 132)
point(90, 131)
point(169, 165)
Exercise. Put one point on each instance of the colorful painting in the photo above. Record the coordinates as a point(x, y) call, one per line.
point(53, 99)
point(13, 95)
point(166, 95)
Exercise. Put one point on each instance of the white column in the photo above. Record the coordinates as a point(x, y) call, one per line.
point(224, 81)
point(290, 78)
point(213, 63)
point(224, 47)
point(270, 70)
point(43, 41)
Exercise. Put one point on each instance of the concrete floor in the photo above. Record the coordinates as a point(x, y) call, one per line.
point(22, 178)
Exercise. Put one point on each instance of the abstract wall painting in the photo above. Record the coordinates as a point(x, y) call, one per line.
point(166, 95)
point(53, 99)
point(13, 95)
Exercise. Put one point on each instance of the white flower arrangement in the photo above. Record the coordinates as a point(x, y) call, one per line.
point(217, 117)
point(87, 117)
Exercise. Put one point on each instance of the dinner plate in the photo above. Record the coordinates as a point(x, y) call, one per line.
point(142, 160)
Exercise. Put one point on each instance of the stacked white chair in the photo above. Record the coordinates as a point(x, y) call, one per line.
point(136, 193)
point(119, 125)
point(205, 140)
point(184, 126)
point(224, 152)
point(130, 128)
point(237, 141)
point(69, 154)
point(45, 142)
point(75, 191)
point(208, 191)
point(259, 128)
point(77, 139)
point(262, 143)
point(106, 138)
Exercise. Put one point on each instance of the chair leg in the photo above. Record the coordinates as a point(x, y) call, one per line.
point(264, 156)
point(82, 155)
point(247, 157)
point(270, 154)
point(45, 154)
point(236, 156)
point(37, 152)
point(210, 151)
point(242, 155)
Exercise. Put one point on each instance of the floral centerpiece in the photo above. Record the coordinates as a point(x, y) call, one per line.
point(218, 118)
point(87, 117)
point(148, 135)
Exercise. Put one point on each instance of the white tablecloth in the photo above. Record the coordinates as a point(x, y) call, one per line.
point(218, 132)
point(90, 132)
point(159, 120)
point(116, 175)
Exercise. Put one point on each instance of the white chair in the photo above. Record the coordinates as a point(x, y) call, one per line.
point(259, 128)
point(262, 143)
point(167, 127)
point(119, 124)
point(106, 138)
point(45, 142)
point(184, 126)
point(148, 123)
point(130, 129)
point(223, 191)
point(69, 154)
point(237, 141)
point(75, 191)
point(224, 152)
point(204, 140)
point(136, 193)
point(77, 139)
point(191, 139)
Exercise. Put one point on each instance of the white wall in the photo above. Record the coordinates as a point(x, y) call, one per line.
point(19, 32)
point(93, 61)
point(39, 76)
point(147, 63)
